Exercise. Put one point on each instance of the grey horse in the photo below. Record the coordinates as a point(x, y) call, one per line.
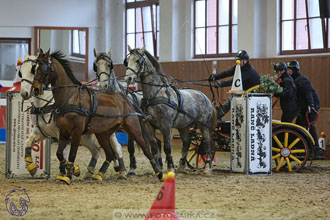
point(103, 68)
point(170, 107)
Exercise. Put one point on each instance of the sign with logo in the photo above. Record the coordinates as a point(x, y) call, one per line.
point(259, 134)
point(19, 128)
point(238, 134)
point(251, 129)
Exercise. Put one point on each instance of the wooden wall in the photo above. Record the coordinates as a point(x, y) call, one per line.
point(316, 68)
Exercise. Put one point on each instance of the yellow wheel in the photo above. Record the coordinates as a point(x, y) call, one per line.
point(289, 150)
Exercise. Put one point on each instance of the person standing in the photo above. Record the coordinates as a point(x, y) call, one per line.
point(250, 78)
point(308, 101)
point(288, 98)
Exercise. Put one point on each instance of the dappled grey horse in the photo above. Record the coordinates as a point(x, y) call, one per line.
point(103, 67)
point(170, 107)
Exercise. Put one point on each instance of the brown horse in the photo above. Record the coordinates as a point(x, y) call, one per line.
point(80, 110)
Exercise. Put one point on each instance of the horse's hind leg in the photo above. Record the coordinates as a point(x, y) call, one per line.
point(130, 126)
point(132, 160)
point(185, 137)
point(104, 141)
point(207, 140)
point(116, 147)
point(90, 142)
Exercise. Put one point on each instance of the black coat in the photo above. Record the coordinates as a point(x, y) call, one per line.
point(288, 98)
point(250, 77)
point(307, 96)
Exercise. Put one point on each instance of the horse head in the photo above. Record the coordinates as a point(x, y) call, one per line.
point(134, 63)
point(26, 73)
point(44, 73)
point(103, 67)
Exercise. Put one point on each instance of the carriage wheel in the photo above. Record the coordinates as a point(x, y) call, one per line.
point(194, 159)
point(289, 151)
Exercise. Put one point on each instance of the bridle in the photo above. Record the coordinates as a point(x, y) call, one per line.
point(33, 70)
point(110, 65)
point(140, 61)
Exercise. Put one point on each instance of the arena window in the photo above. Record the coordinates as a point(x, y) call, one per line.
point(78, 39)
point(302, 30)
point(142, 25)
point(215, 28)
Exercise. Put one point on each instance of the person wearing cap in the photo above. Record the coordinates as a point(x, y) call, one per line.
point(250, 78)
point(288, 98)
point(308, 100)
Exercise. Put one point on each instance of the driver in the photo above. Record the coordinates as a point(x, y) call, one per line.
point(250, 78)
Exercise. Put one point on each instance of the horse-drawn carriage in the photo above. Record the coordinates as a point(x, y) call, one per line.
point(291, 145)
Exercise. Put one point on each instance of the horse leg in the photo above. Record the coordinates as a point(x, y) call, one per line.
point(149, 134)
point(167, 134)
point(71, 169)
point(63, 140)
point(90, 142)
point(104, 141)
point(207, 140)
point(132, 160)
point(185, 137)
point(35, 137)
point(116, 147)
point(130, 126)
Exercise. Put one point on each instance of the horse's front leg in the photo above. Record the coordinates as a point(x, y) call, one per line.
point(185, 137)
point(33, 138)
point(116, 147)
point(166, 131)
point(63, 140)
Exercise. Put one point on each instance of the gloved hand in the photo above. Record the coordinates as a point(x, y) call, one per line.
point(211, 78)
point(312, 113)
point(217, 85)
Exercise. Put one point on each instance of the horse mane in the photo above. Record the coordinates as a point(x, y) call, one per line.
point(59, 56)
point(154, 62)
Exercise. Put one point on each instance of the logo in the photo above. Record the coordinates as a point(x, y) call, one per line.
point(17, 202)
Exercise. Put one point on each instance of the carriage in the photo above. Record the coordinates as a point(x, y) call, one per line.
point(291, 145)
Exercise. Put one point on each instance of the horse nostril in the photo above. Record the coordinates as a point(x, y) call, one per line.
point(36, 91)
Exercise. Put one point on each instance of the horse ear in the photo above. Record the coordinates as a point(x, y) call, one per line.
point(109, 53)
point(95, 54)
point(143, 49)
point(129, 48)
point(47, 53)
point(40, 51)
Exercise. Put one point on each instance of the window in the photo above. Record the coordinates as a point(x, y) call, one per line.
point(10, 50)
point(142, 25)
point(302, 30)
point(78, 45)
point(215, 28)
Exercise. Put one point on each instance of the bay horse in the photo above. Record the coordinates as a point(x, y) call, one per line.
point(103, 68)
point(44, 125)
point(81, 110)
point(170, 107)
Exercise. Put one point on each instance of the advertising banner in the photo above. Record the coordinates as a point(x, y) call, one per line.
point(19, 127)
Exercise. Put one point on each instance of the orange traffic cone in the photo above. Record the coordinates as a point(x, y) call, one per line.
point(164, 204)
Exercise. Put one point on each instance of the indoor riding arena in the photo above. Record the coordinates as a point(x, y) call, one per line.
point(165, 109)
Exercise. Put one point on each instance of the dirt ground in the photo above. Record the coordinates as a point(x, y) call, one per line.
point(223, 195)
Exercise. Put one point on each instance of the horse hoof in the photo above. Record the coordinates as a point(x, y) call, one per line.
point(66, 180)
point(32, 168)
point(207, 170)
point(88, 176)
point(170, 169)
point(76, 171)
point(116, 168)
point(131, 173)
point(98, 177)
point(164, 177)
point(181, 169)
point(122, 175)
